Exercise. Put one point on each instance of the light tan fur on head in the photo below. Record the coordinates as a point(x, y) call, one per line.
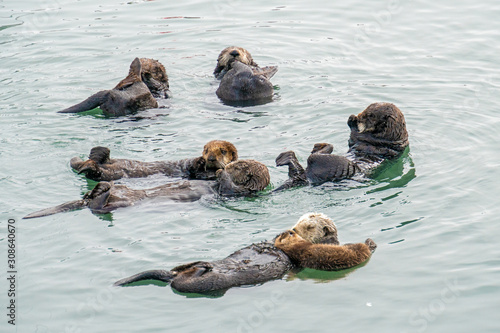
point(250, 174)
point(316, 228)
point(236, 52)
point(218, 153)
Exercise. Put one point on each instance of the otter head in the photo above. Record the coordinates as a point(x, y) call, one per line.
point(153, 74)
point(218, 153)
point(379, 130)
point(317, 228)
point(230, 53)
point(242, 177)
point(288, 239)
point(100, 155)
point(380, 120)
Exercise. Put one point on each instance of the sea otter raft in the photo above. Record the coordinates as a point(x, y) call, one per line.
point(378, 133)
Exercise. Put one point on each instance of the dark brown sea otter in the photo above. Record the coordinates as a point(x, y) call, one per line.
point(146, 80)
point(216, 155)
point(240, 178)
point(256, 263)
point(326, 257)
point(378, 133)
point(243, 83)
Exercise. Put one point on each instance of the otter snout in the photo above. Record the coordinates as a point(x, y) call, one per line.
point(234, 53)
point(352, 122)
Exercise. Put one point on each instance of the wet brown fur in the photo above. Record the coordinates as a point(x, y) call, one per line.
point(325, 257)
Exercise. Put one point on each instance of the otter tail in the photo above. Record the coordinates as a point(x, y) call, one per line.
point(65, 207)
point(90, 103)
point(156, 274)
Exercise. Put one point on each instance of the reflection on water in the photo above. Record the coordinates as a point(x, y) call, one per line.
point(394, 173)
point(402, 224)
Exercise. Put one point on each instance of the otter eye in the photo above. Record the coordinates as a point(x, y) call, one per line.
point(223, 151)
point(290, 233)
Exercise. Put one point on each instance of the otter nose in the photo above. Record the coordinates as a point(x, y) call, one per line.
point(211, 158)
point(234, 53)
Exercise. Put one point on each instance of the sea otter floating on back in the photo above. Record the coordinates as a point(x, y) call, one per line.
point(378, 133)
point(242, 80)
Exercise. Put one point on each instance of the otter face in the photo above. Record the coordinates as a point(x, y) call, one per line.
point(229, 53)
point(153, 74)
point(317, 228)
point(218, 153)
point(287, 238)
point(247, 175)
point(380, 120)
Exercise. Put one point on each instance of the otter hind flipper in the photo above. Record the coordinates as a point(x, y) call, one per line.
point(90, 103)
point(65, 207)
point(156, 274)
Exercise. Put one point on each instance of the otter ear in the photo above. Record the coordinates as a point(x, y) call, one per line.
point(135, 67)
point(235, 155)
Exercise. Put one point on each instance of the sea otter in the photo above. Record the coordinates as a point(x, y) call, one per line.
point(216, 155)
point(326, 257)
point(239, 178)
point(256, 263)
point(243, 83)
point(378, 133)
point(146, 80)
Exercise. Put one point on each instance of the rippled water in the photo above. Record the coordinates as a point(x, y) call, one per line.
point(433, 213)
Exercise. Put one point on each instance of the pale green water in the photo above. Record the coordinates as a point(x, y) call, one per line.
point(434, 213)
